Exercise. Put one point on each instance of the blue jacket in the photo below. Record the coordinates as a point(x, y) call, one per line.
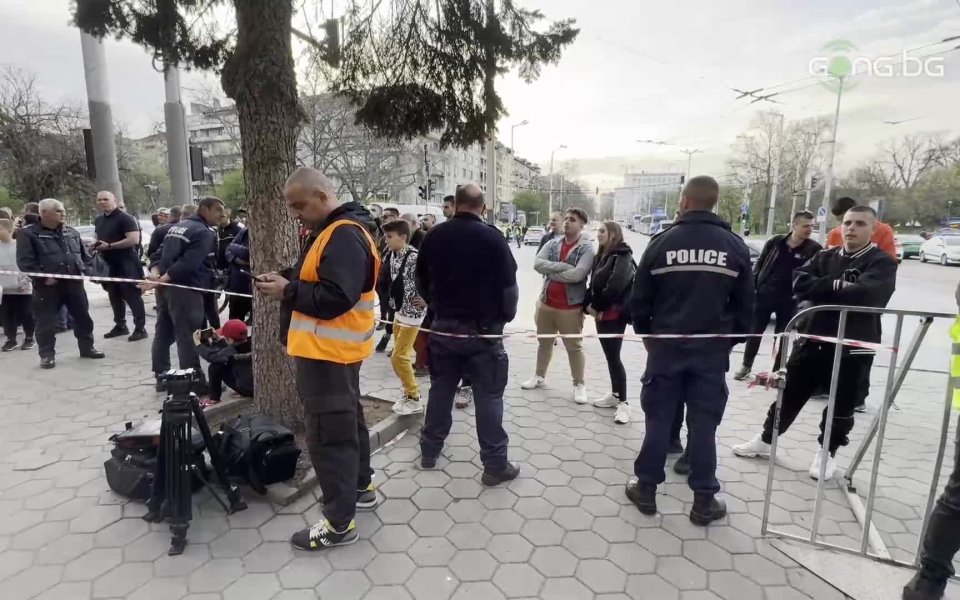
point(189, 252)
point(238, 257)
point(694, 278)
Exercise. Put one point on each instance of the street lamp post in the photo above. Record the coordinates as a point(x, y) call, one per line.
point(513, 158)
point(776, 180)
point(828, 179)
point(550, 203)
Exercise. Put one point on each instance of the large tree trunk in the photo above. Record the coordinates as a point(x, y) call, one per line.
point(261, 80)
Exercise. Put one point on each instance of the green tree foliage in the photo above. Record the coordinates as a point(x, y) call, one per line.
point(232, 190)
point(530, 201)
point(423, 65)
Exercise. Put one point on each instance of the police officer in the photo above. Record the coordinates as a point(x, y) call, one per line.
point(331, 295)
point(158, 235)
point(52, 247)
point(186, 258)
point(694, 278)
point(118, 237)
point(468, 277)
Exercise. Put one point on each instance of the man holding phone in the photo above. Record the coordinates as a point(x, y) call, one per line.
point(228, 350)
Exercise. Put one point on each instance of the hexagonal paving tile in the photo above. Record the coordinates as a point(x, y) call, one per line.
point(432, 583)
point(389, 569)
point(585, 544)
point(432, 552)
point(477, 590)
point(632, 558)
point(651, 586)
point(344, 585)
point(473, 565)
point(92, 564)
point(431, 499)
point(395, 511)
point(304, 572)
point(235, 543)
point(707, 555)
point(215, 575)
point(393, 538)
point(518, 581)
point(469, 536)
point(731, 585)
point(431, 523)
point(503, 521)
point(554, 561)
point(601, 576)
point(565, 588)
point(268, 557)
point(542, 532)
point(509, 548)
point(534, 508)
point(572, 518)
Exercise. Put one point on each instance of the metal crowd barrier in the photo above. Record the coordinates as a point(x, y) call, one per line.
point(895, 377)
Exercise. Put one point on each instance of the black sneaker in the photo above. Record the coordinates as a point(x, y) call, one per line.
point(706, 510)
point(682, 466)
point(643, 496)
point(28, 344)
point(492, 478)
point(381, 326)
point(47, 362)
point(427, 463)
point(742, 374)
point(421, 372)
point(10, 345)
point(676, 447)
point(367, 498)
point(117, 331)
point(322, 536)
point(921, 588)
point(860, 408)
point(91, 353)
point(137, 335)
point(382, 344)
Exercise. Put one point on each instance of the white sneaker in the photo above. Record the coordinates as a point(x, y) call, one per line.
point(408, 406)
point(580, 393)
point(534, 382)
point(623, 413)
point(753, 449)
point(815, 466)
point(608, 401)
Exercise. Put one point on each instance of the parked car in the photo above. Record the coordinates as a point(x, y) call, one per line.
point(942, 248)
point(898, 249)
point(533, 235)
point(911, 244)
point(755, 247)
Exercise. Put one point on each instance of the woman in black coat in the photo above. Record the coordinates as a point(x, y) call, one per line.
point(607, 301)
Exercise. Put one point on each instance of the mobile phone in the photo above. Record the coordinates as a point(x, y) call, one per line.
point(252, 276)
point(206, 335)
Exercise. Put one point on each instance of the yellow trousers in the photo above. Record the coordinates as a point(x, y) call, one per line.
point(402, 357)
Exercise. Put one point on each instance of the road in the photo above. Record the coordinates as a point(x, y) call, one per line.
point(920, 287)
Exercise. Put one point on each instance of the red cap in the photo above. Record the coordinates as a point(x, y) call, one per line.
point(235, 329)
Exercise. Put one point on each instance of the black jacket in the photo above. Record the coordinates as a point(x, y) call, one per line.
point(235, 356)
point(694, 278)
point(189, 252)
point(346, 269)
point(416, 237)
point(771, 250)
point(225, 237)
point(466, 273)
point(55, 251)
point(156, 242)
point(546, 237)
point(611, 279)
point(872, 277)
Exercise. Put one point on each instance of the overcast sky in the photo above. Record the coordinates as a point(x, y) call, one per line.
point(640, 69)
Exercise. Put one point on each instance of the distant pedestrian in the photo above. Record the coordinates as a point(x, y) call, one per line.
point(611, 281)
point(229, 352)
point(427, 222)
point(52, 247)
point(409, 309)
point(416, 234)
point(467, 275)
point(856, 274)
point(386, 314)
point(118, 238)
point(15, 292)
point(773, 278)
point(158, 235)
point(694, 278)
point(565, 263)
point(554, 230)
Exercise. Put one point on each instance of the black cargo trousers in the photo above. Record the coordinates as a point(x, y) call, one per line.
point(337, 436)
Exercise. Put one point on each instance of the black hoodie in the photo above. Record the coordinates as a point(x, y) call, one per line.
point(611, 278)
point(346, 269)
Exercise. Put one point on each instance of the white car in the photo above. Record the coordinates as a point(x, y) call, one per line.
point(942, 248)
point(533, 235)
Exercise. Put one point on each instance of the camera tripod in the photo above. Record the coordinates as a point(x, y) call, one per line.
point(172, 496)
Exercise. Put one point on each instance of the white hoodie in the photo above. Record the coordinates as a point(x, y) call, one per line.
point(12, 284)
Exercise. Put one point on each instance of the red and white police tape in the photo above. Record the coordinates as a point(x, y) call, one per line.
point(505, 334)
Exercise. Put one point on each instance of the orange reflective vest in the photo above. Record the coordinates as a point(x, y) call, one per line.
point(348, 338)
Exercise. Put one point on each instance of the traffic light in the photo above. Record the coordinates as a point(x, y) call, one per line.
point(331, 43)
point(423, 192)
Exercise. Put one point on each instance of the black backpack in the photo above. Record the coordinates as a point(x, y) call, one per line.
point(133, 460)
point(258, 450)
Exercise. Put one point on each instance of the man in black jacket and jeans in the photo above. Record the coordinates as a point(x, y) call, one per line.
point(856, 274)
point(187, 257)
point(468, 277)
point(694, 278)
point(773, 276)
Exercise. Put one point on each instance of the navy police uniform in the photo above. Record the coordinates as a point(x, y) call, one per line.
point(468, 277)
point(694, 278)
point(187, 255)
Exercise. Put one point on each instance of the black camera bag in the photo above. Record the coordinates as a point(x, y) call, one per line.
point(133, 460)
point(258, 450)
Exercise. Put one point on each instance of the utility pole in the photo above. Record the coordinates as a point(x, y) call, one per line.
point(806, 203)
point(177, 151)
point(426, 176)
point(828, 180)
point(513, 159)
point(550, 204)
point(492, 177)
point(101, 115)
point(771, 215)
point(744, 213)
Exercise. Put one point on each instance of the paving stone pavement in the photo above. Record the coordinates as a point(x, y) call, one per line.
point(563, 530)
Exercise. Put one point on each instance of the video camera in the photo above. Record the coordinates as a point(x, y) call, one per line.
point(179, 382)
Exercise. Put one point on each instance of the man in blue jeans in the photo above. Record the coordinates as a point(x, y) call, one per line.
point(467, 275)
